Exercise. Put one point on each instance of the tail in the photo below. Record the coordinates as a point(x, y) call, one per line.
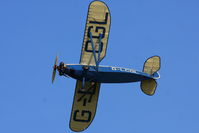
point(151, 66)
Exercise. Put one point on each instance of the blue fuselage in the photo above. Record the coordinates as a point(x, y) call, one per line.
point(105, 74)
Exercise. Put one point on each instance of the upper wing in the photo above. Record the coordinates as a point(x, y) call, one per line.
point(84, 105)
point(98, 22)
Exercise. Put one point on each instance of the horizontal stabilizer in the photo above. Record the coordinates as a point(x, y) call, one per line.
point(152, 65)
point(148, 86)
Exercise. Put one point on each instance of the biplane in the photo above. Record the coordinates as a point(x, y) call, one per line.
point(90, 74)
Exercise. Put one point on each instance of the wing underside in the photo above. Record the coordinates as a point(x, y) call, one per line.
point(98, 22)
point(84, 105)
point(85, 102)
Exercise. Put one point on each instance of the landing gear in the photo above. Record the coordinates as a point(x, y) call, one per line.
point(83, 85)
point(84, 73)
point(88, 87)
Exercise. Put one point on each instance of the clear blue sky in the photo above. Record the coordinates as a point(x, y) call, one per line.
point(33, 32)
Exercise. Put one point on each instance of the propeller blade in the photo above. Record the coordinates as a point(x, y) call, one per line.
point(53, 75)
point(54, 69)
point(56, 60)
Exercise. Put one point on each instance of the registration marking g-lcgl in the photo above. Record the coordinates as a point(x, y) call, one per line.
point(123, 69)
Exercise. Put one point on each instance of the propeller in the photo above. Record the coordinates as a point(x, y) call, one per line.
point(54, 69)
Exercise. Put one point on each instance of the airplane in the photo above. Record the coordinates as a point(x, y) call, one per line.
point(90, 74)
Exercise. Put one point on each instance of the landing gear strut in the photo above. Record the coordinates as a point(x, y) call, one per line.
point(84, 73)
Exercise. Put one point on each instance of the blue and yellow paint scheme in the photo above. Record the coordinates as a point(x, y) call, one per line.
point(90, 74)
point(106, 74)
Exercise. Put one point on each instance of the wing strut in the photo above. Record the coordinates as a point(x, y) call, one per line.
point(97, 60)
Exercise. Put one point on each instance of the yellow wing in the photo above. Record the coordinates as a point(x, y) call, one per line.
point(84, 105)
point(98, 22)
